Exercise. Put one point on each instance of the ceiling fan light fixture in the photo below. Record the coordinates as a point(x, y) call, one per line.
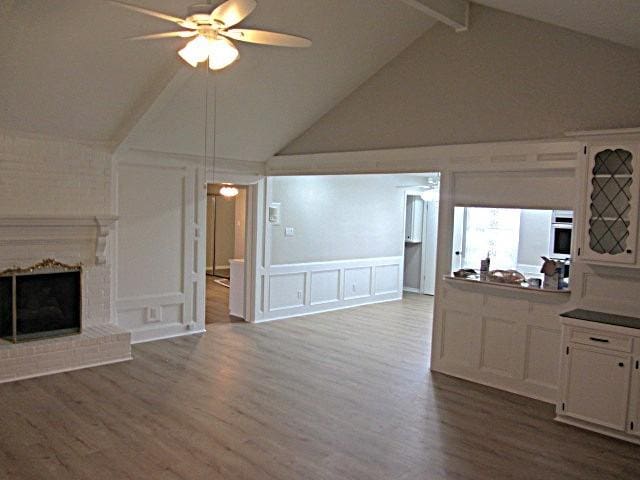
point(222, 53)
point(196, 51)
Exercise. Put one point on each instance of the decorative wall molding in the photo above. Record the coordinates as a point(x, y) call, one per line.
point(498, 156)
point(617, 132)
point(222, 165)
point(305, 288)
point(170, 299)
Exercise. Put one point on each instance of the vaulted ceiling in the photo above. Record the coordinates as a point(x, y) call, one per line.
point(67, 71)
point(615, 20)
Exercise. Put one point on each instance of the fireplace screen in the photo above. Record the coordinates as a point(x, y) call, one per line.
point(40, 304)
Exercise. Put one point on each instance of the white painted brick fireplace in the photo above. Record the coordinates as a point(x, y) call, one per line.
point(56, 202)
point(26, 240)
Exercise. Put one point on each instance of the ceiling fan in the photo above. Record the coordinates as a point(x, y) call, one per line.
point(211, 27)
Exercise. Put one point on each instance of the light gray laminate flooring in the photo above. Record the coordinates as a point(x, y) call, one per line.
point(339, 395)
point(217, 304)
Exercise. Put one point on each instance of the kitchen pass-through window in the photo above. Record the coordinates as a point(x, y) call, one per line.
point(514, 239)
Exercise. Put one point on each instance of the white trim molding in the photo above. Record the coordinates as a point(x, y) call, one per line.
point(306, 288)
point(499, 156)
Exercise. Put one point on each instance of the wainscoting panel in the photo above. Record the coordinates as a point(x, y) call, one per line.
point(500, 337)
point(305, 288)
point(456, 347)
point(286, 290)
point(387, 278)
point(325, 286)
point(357, 282)
point(542, 356)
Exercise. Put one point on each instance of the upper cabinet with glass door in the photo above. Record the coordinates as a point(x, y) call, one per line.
point(611, 226)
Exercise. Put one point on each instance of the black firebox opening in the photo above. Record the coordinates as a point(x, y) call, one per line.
point(46, 305)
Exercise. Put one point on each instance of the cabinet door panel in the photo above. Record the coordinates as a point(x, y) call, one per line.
point(611, 225)
point(597, 388)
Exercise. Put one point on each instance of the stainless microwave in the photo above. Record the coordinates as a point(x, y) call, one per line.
point(561, 232)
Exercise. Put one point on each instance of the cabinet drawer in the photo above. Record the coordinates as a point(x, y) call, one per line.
point(601, 339)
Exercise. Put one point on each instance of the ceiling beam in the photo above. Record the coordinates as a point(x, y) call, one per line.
point(454, 13)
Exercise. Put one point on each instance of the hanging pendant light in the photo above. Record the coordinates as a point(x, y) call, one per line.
point(228, 190)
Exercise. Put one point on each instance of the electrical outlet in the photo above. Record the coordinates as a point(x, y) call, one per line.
point(289, 232)
point(153, 315)
point(353, 287)
point(299, 294)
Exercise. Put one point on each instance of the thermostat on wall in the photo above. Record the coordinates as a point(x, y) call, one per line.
point(274, 214)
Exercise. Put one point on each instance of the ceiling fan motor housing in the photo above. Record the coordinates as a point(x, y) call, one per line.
point(200, 13)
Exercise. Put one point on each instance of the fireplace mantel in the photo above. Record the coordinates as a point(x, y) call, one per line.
point(102, 223)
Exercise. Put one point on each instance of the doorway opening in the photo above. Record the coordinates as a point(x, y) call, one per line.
point(225, 252)
point(331, 242)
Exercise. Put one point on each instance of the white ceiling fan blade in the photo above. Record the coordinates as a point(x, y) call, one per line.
point(153, 13)
point(266, 38)
point(155, 36)
point(232, 12)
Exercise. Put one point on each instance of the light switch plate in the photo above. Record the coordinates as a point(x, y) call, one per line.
point(274, 214)
point(289, 232)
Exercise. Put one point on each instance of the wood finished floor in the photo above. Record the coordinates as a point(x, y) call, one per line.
point(339, 395)
point(217, 305)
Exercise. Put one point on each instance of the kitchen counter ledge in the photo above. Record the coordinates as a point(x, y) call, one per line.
point(523, 288)
point(602, 317)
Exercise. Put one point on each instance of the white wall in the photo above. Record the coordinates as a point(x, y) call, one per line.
point(225, 229)
point(211, 217)
point(339, 217)
point(507, 78)
point(412, 266)
point(240, 221)
point(161, 252)
point(347, 249)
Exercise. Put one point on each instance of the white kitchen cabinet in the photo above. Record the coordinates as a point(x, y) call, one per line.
point(413, 226)
point(597, 388)
point(600, 380)
point(610, 228)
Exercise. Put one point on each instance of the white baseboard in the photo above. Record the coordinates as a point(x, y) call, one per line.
point(343, 307)
point(410, 289)
point(162, 333)
point(68, 369)
point(516, 386)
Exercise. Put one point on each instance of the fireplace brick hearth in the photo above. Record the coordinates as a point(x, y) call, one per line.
point(71, 240)
point(98, 345)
